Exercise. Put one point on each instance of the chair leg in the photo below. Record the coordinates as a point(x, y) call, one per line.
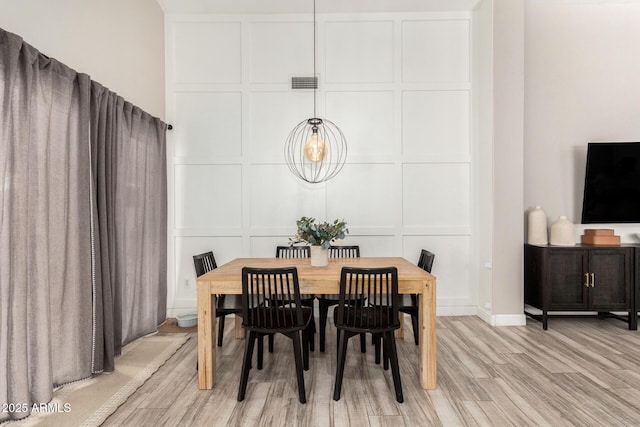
point(385, 356)
point(271, 343)
point(220, 330)
point(323, 307)
point(312, 331)
point(375, 338)
point(342, 355)
point(260, 351)
point(363, 343)
point(246, 362)
point(416, 328)
point(395, 368)
point(297, 350)
point(305, 348)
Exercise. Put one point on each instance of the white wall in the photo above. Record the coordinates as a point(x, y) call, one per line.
point(581, 68)
point(582, 85)
point(483, 128)
point(508, 110)
point(400, 88)
point(119, 43)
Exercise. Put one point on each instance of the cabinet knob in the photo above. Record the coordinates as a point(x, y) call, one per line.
point(586, 279)
point(593, 279)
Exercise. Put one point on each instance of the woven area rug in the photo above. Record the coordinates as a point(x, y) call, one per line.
point(90, 402)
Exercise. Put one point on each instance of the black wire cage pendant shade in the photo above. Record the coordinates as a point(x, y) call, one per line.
point(316, 149)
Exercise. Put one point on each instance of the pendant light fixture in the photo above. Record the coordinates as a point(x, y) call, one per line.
point(316, 149)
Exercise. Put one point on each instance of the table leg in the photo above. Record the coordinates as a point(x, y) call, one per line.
point(427, 318)
point(399, 333)
point(206, 337)
point(238, 329)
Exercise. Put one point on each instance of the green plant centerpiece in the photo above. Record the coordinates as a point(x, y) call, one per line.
point(319, 237)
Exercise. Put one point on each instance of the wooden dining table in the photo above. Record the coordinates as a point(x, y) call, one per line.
point(227, 279)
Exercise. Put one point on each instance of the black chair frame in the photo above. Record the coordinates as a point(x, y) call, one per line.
point(225, 304)
point(327, 300)
point(409, 303)
point(380, 318)
point(260, 319)
point(305, 299)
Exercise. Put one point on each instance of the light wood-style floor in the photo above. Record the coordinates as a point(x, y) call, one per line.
point(582, 372)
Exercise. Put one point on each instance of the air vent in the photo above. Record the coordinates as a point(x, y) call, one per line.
point(304, 83)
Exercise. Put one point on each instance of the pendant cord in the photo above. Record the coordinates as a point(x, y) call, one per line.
point(315, 89)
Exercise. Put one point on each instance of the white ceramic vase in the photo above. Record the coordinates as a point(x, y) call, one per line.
point(319, 256)
point(537, 227)
point(562, 232)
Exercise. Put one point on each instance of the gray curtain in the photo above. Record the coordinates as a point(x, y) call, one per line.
point(82, 225)
point(130, 220)
point(45, 252)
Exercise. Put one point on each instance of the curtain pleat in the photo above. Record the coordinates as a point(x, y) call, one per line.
point(82, 225)
point(108, 321)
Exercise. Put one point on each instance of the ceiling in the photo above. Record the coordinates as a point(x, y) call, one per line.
point(305, 6)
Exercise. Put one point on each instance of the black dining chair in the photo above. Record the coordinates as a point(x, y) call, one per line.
point(305, 299)
point(409, 302)
point(260, 319)
point(225, 304)
point(380, 318)
point(409, 305)
point(327, 300)
point(293, 252)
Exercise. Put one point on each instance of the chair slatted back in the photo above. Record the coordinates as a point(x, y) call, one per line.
point(344, 251)
point(204, 263)
point(426, 260)
point(276, 284)
point(293, 252)
point(378, 287)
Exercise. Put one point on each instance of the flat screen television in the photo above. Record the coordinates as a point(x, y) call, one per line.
point(612, 183)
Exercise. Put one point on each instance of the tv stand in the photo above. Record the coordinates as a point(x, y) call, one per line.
point(582, 278)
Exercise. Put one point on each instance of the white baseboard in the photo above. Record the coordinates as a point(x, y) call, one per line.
point(173, 312)
point(458, 310)
point(502, 319)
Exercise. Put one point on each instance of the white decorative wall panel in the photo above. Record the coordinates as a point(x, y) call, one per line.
point(359, 52)
point(210, 124)
point(397, 85)
point(372, 245)
point(207, 52)
point(265, 247)
point(366, 119)
point(224, 250)
point(290, 42)
point(278, 198)
point(436, 51)
point(436, 195)
point(364, 195)
point(436, 125)
point(208, 196)
point(452, 266)
point(272, 116)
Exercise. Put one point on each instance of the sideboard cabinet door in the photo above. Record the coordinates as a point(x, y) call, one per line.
point(610, 283)
point(566, 279)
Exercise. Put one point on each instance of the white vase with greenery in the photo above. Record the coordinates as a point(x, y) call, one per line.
point(319, 237)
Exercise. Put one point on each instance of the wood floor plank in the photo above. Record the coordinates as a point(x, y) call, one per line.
point(582, 372)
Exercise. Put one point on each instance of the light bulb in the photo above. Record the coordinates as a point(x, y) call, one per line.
point(315, 149)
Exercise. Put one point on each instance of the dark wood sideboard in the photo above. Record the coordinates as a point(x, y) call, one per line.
point(582, 278)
